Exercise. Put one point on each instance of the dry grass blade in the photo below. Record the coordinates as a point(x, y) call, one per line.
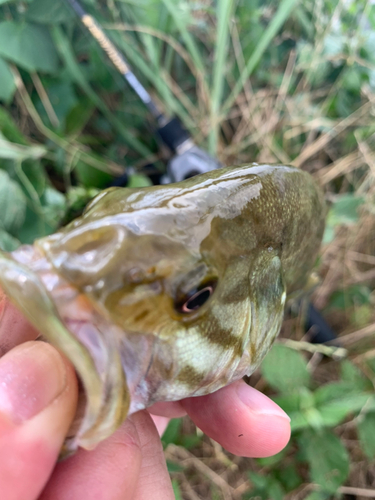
point(189, 459)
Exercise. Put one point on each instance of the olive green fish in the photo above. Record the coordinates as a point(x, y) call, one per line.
point(166, 292)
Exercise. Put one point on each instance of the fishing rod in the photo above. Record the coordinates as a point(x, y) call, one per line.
point(189, 159)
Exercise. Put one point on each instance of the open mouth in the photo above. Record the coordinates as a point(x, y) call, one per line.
point(68, 320)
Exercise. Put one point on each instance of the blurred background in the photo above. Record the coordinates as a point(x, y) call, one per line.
point(291, 82)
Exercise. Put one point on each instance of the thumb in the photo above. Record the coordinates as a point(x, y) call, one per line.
point(38, 397)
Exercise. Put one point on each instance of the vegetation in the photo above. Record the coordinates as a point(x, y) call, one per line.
point(267, 81)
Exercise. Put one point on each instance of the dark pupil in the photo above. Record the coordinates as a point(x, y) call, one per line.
point(197, 300)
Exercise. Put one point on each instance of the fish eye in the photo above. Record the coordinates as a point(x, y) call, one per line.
point(196, 298)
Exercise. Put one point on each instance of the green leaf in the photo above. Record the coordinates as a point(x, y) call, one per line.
point(318, 495)
point(273, 459)
point(289, 477)
point(12, 204)
point(337, 400)
point(63, 98)
point(172, 432)
point(265, 487)
point(285, 369)
point(9, 129)
point(350, 296)
point(334, 412)
point(174, 467)
point(28, 45)
point(345, 210)
point(7, 83)
point(7, 242)
point(89, 176)
point(327, 457)
point(47, 12)
point(176, 490)
point(138, 180)
point(190, 441)
point(54, 206)
point(353, 376)
point(366, 434)
point(78, 116)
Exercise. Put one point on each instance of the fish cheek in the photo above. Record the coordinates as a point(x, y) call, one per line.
point(145, 310)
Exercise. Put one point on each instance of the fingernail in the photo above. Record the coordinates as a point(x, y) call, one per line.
point(32, 375)
point(258, 402)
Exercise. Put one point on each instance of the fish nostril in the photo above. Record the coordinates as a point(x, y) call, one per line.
point(87, 250)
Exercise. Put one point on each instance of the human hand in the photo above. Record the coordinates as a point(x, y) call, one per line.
point(38, 396)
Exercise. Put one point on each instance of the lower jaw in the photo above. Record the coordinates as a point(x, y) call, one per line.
point(68, 320)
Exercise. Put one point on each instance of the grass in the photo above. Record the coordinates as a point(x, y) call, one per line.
point(282, 82)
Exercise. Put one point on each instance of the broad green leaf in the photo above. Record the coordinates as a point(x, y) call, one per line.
point(298, 421)
point(273, 459)
point(7, 242)
point(138, 180)
point(172, 432)
point(333, 391)
point(12, 204)
point(265, 487)
point(34, 227)
point(285, 369)
point(78, 116)
point(28, 45)
point(345, 209)
point(353, 376)
point(289, 477)
point(337, 400)
point(49, 12)
point(366, 434)
point(9, 129)
point(7, 83)
point(54, 206)
point(91, 177)
point(63, 98)
point(333, 413)
point(258, 480)
point(327, 457)
point(190, 441)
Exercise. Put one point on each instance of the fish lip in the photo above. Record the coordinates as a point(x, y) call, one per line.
point(49, 303)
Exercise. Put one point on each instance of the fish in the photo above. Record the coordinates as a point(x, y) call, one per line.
point(167, 292)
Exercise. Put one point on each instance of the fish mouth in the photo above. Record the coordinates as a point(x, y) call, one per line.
point(70, 321)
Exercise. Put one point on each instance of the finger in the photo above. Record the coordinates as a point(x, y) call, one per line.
point(128, 466)
point(154, 481)
point(38, 397)
point(243, 420)
point(171, 409)
point(14, 328)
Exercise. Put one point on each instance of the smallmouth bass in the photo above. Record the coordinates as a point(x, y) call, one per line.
point(162, 293)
